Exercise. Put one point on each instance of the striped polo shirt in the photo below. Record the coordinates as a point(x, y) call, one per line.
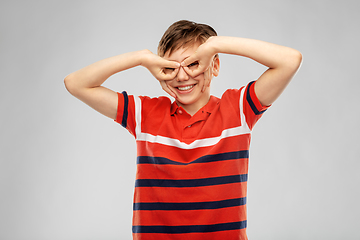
point(192, 171)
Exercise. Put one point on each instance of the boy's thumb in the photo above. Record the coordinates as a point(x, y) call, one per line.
point(187, 62)
point(176, 64)
point(171, 64)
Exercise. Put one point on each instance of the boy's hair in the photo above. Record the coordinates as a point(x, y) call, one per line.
point(184, 33)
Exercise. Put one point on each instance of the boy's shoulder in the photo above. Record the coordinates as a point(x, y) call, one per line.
point(152, 104)
point(162, 100)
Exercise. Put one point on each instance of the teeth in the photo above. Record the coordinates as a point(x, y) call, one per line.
point(185, 88)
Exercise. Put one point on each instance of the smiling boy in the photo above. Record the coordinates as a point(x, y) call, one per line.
point(191, 93)
point(192, 165)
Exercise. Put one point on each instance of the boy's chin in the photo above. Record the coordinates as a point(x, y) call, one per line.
point(182, 102)
point(186, 102)
point(179, 101)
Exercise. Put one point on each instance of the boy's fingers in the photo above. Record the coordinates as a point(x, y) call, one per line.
point(166, 88)
point(168, 70)
point(174, 64)
point(170, 64)
point(207, 81)
point(194, 73)
point(169, 76)
point(188, 71)
point(188, 61)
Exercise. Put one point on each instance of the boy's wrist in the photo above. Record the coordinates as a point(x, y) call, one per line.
point(212, 45)
point(143, 56)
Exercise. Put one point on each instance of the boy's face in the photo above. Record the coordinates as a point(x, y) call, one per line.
point(188, 90)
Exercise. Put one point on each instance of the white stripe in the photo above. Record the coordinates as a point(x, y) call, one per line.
point(242, 114)
point(137, 101)
point(206, 142)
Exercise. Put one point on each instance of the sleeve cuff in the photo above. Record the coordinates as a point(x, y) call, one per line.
point(253, 101)
point(122, 110)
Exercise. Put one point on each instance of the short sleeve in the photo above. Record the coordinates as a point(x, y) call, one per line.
point(126, 112)
point(253, 109)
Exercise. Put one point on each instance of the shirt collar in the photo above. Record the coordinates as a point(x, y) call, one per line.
point(208, 108)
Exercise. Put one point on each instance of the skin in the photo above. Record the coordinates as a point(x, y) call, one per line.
point(282, 62)
point(191, 100)
point(187, 66)
point(85, 84)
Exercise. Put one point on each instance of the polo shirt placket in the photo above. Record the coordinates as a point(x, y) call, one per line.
point(191, 125)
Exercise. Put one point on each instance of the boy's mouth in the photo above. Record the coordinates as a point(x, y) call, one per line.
point(185, 88)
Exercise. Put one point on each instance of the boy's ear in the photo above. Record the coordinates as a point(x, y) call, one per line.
point(216, 66)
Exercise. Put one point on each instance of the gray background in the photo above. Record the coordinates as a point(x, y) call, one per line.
point(66, 172)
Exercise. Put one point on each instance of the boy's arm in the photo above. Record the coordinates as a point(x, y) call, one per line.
point(283, 62)
point(85, 84)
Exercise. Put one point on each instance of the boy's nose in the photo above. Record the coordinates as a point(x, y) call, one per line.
point(182, 75)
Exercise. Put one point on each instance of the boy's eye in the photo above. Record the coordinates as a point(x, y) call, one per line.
point(194, 64)
point(168, 70)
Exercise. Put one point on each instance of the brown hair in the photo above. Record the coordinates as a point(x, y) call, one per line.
point(184, 33)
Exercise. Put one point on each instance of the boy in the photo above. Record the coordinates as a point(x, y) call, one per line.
point(192, 164)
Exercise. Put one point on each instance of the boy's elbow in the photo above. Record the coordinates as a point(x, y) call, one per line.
point(293, 60)
point(297, 58)
point(69, 84)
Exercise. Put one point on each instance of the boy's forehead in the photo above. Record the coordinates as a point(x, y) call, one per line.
point(182, 52)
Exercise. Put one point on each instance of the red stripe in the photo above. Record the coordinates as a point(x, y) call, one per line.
point(193, 171)
point(193, 217)
point(223, 235)
point(193, 194)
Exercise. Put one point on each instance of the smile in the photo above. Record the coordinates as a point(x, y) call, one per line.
point(185, 88)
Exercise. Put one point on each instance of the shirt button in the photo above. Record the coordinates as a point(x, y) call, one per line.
point(180, 111)
point(189, 126)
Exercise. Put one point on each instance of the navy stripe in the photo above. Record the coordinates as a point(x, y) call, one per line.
point(250, 101)
point(203, 159)
point(125, 113)
point(191, 182)
point(190, 228)
point(169, 206)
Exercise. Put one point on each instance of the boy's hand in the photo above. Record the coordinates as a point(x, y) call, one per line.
point(200, 60)
point(161, 69)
